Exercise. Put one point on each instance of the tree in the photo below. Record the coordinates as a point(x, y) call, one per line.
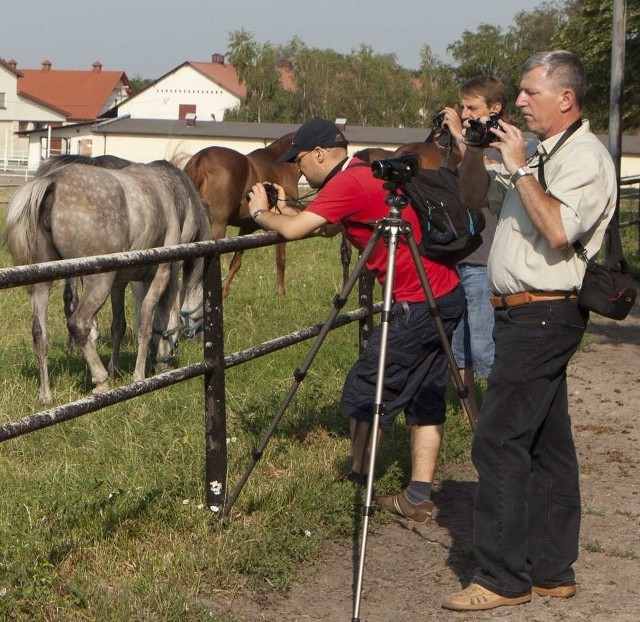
point(315, 73)
point(374, 90)
point(437, 85)
point(138, 83)
point(484, 52)
point(256, 66)
point(532, 31)
point(587, 33)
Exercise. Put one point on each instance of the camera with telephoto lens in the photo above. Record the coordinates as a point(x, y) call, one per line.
point(398, 170)
point(272, 195)
point(479, 134)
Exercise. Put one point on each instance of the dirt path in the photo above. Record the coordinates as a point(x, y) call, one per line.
point(409, 568)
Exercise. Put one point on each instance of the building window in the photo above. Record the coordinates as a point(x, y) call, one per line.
point(3, 100)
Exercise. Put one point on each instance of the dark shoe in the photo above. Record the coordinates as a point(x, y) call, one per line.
point(478, 598)
point(401, 506)
point(560, 591)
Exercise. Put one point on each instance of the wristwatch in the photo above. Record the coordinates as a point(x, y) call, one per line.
point(521, 172)
point(257, 213)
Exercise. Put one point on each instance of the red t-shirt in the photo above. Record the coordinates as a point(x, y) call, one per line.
point(356, 199)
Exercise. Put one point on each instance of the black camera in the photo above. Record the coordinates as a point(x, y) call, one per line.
point(398, 170)
point(478, 133)
point(272, 195)
point(438, 119)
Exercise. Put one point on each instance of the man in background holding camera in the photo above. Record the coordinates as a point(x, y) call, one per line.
point(527, 506)
point(472, 342)
point(416, 365)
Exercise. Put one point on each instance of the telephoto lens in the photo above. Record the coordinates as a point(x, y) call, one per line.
point(398, 170)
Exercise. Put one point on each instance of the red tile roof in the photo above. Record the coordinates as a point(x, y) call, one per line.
point(226, 76)
point(82, 95)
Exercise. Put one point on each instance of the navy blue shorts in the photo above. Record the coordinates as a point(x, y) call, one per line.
point(416, 370)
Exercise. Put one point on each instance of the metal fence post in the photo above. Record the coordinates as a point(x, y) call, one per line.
point(365, 298)
point(214, 386)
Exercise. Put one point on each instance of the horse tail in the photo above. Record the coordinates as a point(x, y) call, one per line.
point(194, 168)
point(21, 229)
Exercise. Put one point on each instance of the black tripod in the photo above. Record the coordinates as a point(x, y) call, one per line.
point(390, 228)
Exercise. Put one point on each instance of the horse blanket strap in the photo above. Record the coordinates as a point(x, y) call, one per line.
point(504, 301)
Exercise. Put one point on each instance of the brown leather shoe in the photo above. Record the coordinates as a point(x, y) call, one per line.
point(478, 598)
point(401, 506)
point(560, 591)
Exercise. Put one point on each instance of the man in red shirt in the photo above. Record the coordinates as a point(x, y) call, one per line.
point(416, 370)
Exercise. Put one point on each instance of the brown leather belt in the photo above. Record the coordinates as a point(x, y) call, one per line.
point(502, 301)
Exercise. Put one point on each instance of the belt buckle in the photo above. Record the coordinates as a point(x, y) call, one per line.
point(499, 301)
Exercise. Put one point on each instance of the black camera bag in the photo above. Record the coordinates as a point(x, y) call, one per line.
point(607, 289)
point(450, 229)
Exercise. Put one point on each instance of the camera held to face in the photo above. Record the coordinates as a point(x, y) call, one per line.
point(398, 170)
point(479, 134)
point(438, 119)
point(272, 195)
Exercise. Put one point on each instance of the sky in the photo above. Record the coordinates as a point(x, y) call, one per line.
point(147, 38)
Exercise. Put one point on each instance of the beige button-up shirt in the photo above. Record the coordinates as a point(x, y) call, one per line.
point(581, 175)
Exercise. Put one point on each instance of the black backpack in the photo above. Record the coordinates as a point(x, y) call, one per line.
point(450, 229)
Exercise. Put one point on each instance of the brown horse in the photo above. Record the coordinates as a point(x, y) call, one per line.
point(222, 177)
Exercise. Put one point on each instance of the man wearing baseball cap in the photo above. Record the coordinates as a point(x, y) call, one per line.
point(314, 133)
point(417, 368)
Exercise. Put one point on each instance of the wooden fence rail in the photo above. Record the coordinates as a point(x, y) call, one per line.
point(214, 362)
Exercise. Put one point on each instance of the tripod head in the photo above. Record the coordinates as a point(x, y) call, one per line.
point(397, 202)
point(395, 172)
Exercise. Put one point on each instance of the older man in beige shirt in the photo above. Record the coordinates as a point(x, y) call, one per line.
point(527, 507)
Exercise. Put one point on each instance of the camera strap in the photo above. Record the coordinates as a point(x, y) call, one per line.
point(615, 254)
point(570, 130)
point(338, 168)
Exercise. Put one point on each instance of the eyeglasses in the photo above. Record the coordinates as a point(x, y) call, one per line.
point(299, 158)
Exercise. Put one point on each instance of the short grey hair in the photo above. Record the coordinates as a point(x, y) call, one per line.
point(563, 68)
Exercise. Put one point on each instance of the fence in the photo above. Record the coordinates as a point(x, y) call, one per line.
point(630, 187)
point(14, 164)
point(214, 362)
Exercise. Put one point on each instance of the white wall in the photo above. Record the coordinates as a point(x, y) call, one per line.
point(185, 86)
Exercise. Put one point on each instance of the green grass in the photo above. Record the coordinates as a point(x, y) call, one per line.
point(104, 517)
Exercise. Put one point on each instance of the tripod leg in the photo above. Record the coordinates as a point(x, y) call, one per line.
point(301, 372)
point(378, 408)
point(470, 408)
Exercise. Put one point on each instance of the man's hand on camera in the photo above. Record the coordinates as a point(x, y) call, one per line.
point(510, 142)
point(453, 122)
point(258, 199)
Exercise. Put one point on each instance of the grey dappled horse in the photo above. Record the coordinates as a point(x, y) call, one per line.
point(71, 284)
point(80, 210)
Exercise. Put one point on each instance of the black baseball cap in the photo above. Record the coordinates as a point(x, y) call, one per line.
point(314, 133)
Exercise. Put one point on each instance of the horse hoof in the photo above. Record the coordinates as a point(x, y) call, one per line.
point(100, 388)
point(46, 399)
